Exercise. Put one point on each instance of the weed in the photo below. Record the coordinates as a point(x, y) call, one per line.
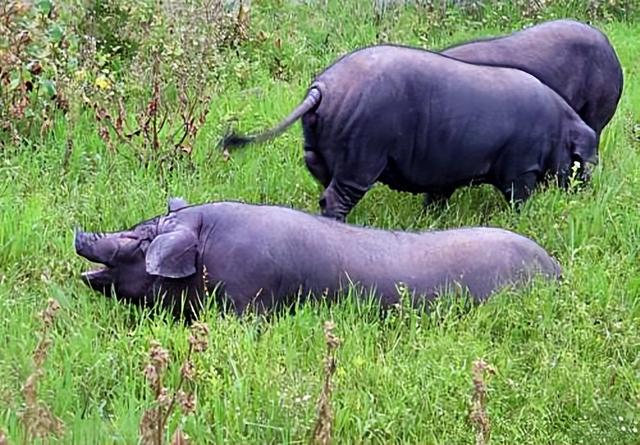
point(37, 418)
point(178, 59)
point(324, 421)
point(35, 51)
point(154, 420)
point(479, 416)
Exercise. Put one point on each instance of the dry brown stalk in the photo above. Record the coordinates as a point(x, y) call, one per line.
point(479, 416)
point(242, 21)
point(179, 438)
point(153, 423)
point(37, 418)
point(149, 427)
point(324, 422)
point(199, 338)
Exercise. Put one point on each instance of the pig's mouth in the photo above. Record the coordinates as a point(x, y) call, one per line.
point(99, 278)
point(96, 272)
point(100, 275)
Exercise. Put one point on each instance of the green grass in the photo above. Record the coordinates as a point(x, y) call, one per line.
point(568, 357)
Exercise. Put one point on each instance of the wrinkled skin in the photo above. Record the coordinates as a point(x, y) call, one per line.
point(263, 257)
point(574, 59)
point(422, 122)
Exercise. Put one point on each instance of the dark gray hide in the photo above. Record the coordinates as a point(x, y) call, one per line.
point(422, 122)
point(263, 256)
point(573, 58)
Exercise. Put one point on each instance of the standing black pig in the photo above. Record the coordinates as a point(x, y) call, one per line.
point(419, 121)
point(576, 60)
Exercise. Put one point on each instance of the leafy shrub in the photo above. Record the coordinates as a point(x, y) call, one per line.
point(146, 69)
point(175, 66)
point(118, 27)
point(36, 57)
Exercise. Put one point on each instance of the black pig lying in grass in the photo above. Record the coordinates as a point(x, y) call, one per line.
point(265, 256)
point(422, 122)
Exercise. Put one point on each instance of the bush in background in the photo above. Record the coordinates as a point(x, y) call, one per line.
point(146, 70)
point(37, 57)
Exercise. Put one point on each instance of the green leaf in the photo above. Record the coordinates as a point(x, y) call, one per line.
point(49, 87)
point(56, 33)
point(15, 83)
point(44, 6)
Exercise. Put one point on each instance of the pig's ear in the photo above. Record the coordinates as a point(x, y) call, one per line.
point(176, 204)
point(172, 254)
point(584, 145)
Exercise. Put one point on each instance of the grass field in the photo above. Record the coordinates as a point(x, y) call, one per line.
point(567, 357)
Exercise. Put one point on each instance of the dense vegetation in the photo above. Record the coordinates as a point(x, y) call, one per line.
point(107, 108)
